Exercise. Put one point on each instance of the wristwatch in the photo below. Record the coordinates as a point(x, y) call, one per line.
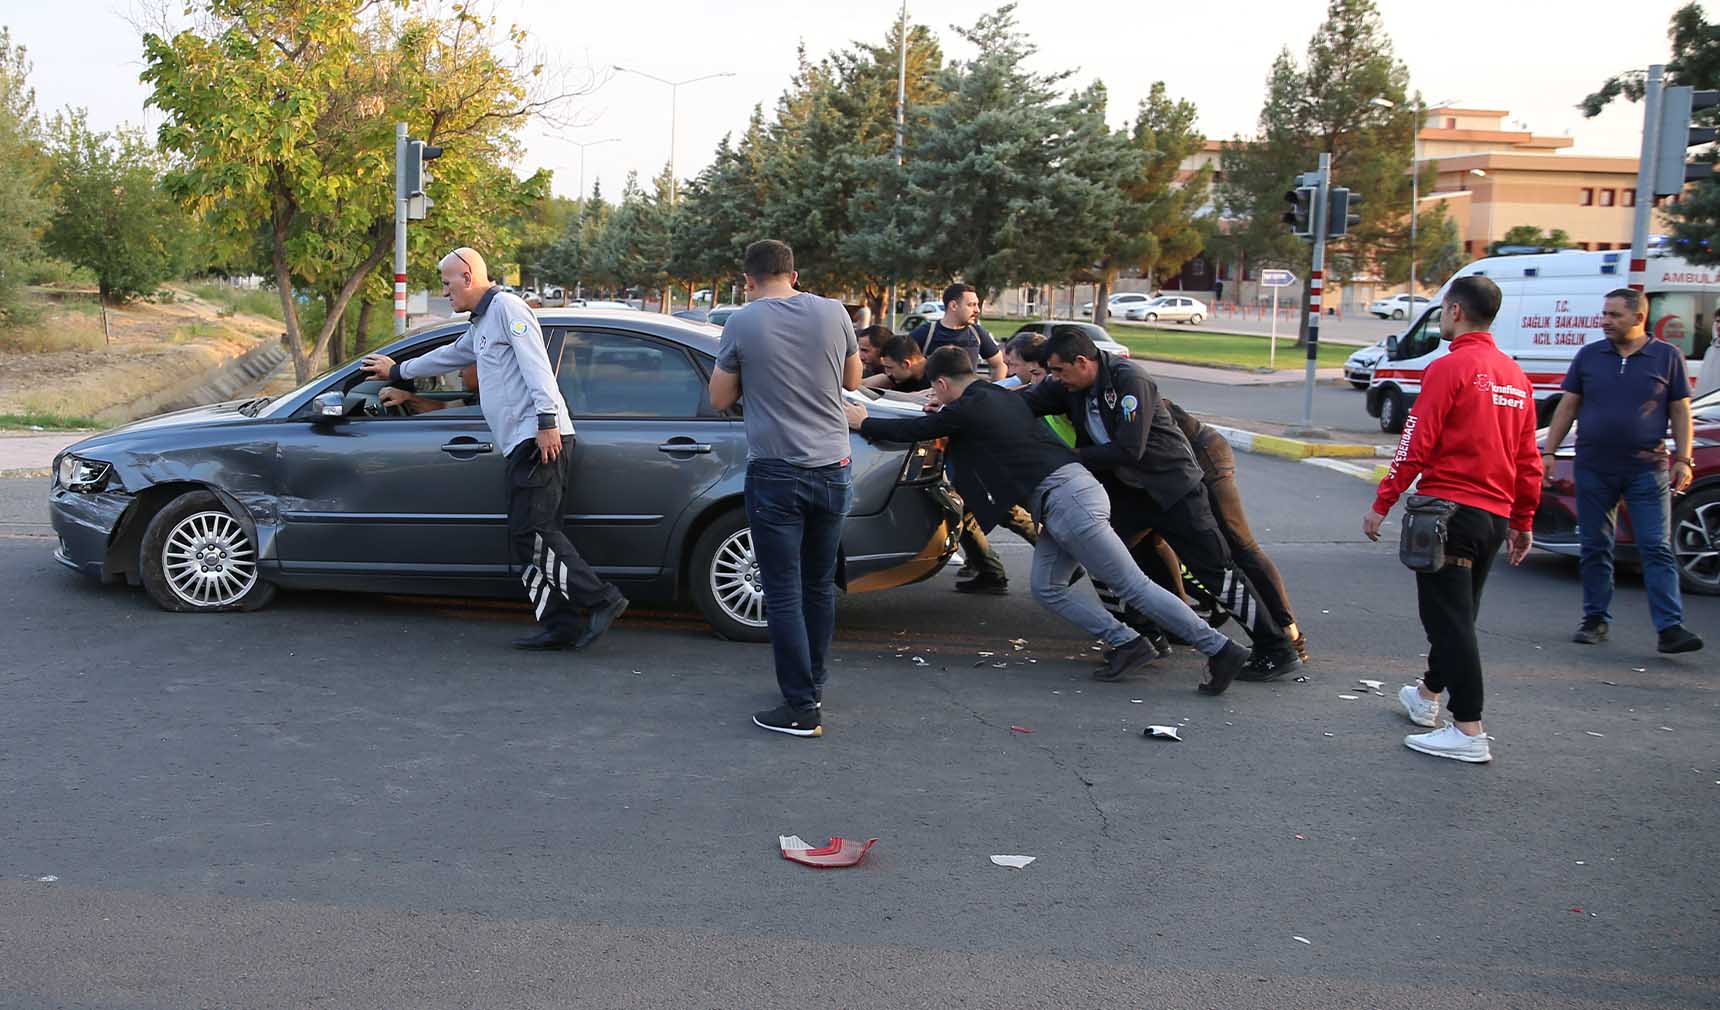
point(1689, 461)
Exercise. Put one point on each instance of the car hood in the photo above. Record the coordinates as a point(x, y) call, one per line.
point(1368, 356)
point(193, 417)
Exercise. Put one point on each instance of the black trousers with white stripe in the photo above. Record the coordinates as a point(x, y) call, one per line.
point(557, 580)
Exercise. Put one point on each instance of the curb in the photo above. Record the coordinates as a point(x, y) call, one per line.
point(1296, 448)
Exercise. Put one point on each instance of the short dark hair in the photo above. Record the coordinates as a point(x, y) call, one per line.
point(879, 335)
point(1478, 296)
point(948, 362)
point(1632, 299)
point(768, 258)
point(954, 293)
point(900, 348)
point(1028, 345)
point(1070, 344)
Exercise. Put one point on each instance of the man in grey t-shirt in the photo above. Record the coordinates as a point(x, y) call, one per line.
point(792, 354)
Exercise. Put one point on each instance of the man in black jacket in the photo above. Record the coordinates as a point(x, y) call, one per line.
point(1125, 434)
point(1001, 454)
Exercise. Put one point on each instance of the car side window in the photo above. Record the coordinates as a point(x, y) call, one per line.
point(1423, 339)
point(609, 374)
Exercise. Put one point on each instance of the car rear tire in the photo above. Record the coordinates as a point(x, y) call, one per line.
point(196, 557)
point(1152, 317)
point(725, 583)
point(1196, 319)
point(1397, 313)
point(1391, 410)
point(1696, 541)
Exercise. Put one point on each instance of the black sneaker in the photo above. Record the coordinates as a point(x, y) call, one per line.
point(990, 585)
point(1223, 668)
point(1128, 658)
point(545, 641)
point(1678, 639)
point(793, 721)
point(1593, 632)
point(1161, 643)
point(1270, 662)
point(601, 618)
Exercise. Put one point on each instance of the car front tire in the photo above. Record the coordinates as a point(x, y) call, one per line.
point(1391, 410)
point(724, 579)
point(1152, 317)
point(1196, 319)
point(1696, 541)
point(196, 557)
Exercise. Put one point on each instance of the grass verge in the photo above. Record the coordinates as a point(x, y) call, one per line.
point(1193, 346)
point(256, 302)
point(50, 422)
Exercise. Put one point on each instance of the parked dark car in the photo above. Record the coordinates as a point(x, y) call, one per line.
point(211, 509)
point(1695, 513)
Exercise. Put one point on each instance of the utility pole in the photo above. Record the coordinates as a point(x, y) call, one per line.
point(901, 121)
point(1645, 177)
point(399, 229)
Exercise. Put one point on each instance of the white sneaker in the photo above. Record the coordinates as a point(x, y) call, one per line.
point(1450, 742)
point(1420, 711)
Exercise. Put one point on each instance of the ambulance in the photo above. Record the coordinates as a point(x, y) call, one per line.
point(1551, 307)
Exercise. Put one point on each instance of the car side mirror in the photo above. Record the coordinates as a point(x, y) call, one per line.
point(1391, 347)
point(330, 406)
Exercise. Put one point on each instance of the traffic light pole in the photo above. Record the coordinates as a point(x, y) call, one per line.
point(1645, 177)
point(1316, 285)
point(399, 230)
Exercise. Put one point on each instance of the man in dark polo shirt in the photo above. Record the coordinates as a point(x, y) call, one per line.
point(1624, 394)
point(902, 367)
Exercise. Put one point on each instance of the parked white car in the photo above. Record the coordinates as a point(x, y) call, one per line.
point(1359, 367)
point(1119, 303)
point(1169, 309)
point(928, 308)
point(1399, 306)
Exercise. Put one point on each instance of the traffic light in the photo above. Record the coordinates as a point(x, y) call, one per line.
point(1341, 215)
point(1300, 216)
point(418, 202)
point(1676, 135)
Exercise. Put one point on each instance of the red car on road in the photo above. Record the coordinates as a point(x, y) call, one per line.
point(1695, 513)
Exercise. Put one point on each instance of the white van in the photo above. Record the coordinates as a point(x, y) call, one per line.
point(1551, 306)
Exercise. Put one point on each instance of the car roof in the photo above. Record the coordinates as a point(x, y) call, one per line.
point(698, 336)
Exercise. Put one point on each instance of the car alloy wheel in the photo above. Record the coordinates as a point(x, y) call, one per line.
point(735, 579)
point(208, 560)
point(1696, 542)
point(1397, 314)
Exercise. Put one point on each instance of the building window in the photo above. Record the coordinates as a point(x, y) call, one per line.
point(1451, 122)
point(1603, 246)
point(1469, 248)
point(1586, 197)
point(1629, 198)
point(1608, 197)
point(1584, 246)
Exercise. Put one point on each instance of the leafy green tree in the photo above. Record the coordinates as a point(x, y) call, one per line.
point(21, 178)
point(109, 212)
point(1695, 62)
point(713, 222)
point(992, 185)
point(279, 115)
point(1528, 234)
point(1329, 105)
point(634, 249)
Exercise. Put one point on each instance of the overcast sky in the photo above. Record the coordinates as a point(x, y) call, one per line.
point(1537, 60)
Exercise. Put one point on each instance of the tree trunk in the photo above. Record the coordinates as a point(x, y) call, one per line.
point(384, 242)
point(284, 285)
point(337, 342)
point(1102, 295)
point(107, 335)
point(359, 340)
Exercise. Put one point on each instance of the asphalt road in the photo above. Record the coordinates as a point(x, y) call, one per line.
point(1338, 406)
point(352, 802)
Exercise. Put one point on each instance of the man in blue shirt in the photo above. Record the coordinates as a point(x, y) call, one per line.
point(1624, 394)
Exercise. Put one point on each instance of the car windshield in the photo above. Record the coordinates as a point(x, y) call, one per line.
point(319, 377)
point(1707, 406)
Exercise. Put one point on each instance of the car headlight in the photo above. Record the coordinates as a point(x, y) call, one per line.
point(77, 474)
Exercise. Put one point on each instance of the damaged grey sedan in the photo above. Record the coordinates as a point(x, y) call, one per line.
point(326, 488)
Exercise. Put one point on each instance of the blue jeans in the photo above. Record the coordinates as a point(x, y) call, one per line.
point(795, 514)
point(1647, 496)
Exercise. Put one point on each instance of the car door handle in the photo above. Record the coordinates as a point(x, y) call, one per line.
point(688, 446)
point(457, 447)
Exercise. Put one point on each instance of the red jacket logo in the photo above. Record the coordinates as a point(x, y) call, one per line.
point(1484, 382)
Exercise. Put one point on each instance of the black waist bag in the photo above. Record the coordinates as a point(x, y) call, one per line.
point(1426, 521)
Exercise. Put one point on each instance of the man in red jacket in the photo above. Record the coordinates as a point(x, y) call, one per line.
point(1471, 440)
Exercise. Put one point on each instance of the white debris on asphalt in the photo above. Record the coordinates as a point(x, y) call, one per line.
point(1013, 862)
point(1372, 685)
point(1303, 939)
point(1591, 732)
point(919, 661)
point(1163, 733)
point(1348, 697)
point(790, 842)
point(49, 879)
point(1137, 701)
point(1019, 643)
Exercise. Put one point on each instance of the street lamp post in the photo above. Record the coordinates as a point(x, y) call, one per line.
point(579, 224)
point(674, 106)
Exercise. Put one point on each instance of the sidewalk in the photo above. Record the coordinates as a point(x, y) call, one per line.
point(25, 454)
